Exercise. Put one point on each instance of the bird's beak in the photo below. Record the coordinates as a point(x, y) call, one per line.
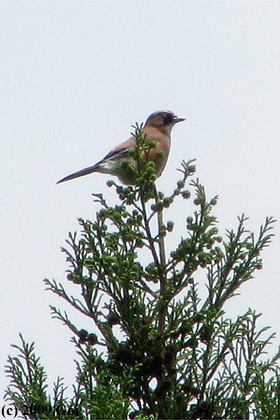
point(177, 119)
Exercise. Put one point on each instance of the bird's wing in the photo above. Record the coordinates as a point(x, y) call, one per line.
point(120, 150)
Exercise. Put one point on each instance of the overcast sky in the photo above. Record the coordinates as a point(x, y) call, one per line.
point(74, 77)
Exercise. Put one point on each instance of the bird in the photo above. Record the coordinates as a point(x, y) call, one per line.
point(157, 128)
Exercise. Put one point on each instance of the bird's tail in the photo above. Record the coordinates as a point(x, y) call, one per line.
point(82, 172)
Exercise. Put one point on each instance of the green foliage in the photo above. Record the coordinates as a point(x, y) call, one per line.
point(28, 387)
point(158, 348)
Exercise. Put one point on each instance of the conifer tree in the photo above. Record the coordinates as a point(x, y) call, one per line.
point(158, 349)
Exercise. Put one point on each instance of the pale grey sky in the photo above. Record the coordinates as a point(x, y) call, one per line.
point(74, 77)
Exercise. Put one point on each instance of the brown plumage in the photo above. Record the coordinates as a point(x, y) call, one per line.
point(157, 128)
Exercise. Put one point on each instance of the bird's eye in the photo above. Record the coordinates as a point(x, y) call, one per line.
point(167, 117)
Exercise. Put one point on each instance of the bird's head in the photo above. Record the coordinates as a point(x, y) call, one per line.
point(163, 120)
